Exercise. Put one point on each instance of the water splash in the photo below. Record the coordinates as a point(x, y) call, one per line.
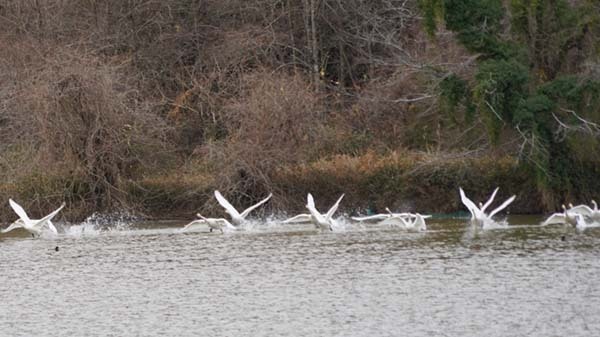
point(98, 223)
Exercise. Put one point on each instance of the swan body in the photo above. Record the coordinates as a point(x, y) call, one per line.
point(238, 218)
point(582, 225)
point(478, 215)
point(321, 221)
point(35, 227)
point(212, 223)
point(592, 213)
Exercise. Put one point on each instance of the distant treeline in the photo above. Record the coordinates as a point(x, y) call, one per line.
point(150, 105)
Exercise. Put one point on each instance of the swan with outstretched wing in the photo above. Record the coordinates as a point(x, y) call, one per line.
point(321, 221)
point(238, 218)
point(478, 215)
point(33, 226)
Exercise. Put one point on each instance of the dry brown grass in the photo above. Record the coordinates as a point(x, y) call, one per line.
point(407, 180)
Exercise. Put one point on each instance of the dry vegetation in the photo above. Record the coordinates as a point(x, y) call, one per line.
point(150, 105)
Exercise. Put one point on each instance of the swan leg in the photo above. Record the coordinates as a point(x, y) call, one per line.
point(210, 230)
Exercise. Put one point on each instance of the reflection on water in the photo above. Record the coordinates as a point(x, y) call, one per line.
point(153, 280)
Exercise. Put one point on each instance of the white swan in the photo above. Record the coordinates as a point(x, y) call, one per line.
point(412, 222)
point(236, 217)
point(565, 217)
point(35, 227)
point(478, 215)
point(212, 223)
point(406, 220)
point(585, 210)
point(381, 216)
point(315, 217)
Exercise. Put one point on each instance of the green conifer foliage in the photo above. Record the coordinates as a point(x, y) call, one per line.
point(537, 74)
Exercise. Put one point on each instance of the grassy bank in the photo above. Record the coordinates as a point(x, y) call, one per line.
point(407, 181)
point(400, 180)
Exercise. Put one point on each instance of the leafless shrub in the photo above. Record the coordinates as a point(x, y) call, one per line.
point(85, 120)
point(278, 121)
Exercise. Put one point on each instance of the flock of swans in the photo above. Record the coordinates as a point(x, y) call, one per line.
point(579, 217)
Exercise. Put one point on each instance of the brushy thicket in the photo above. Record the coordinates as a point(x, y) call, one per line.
point(414, 182)
point(149, 106)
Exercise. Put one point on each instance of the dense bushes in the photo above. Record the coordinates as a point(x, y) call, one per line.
point(403, 180)
point(535, 81)
point(150, 105)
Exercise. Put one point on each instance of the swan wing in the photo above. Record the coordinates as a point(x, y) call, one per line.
point(251, 208)
point(503, 206)
point(52, 227)
point(334, 208)
point(403, 215)
point(467, 202)
point(310, 205)
point(310, 201)
point(14, 225)
point(298, 218)
point(490, 200)
point(581, 209)
point(580, 222)
point(371, 217)
point(49, 217)
point(556, 218)
point(194, 223)
point(228, 207)
point(394, 221)
point(19, 210)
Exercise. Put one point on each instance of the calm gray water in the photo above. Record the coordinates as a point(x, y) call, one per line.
point(151, 280)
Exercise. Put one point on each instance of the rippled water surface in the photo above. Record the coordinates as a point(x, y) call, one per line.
point(153, 280)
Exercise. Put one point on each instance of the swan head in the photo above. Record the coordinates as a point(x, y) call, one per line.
point(564, 208)
point(570, 205)
point(595, 204)
point(480, 205)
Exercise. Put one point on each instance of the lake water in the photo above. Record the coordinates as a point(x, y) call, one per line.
point(287, 280)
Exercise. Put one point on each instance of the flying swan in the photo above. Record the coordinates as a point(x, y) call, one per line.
point(413, 222)
point(381, 216)
point(567, 217)
point(409, 221)
point(212, 223)
point(315, 217)
point(478, 215)
point(35, 227)
point(236, 217)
